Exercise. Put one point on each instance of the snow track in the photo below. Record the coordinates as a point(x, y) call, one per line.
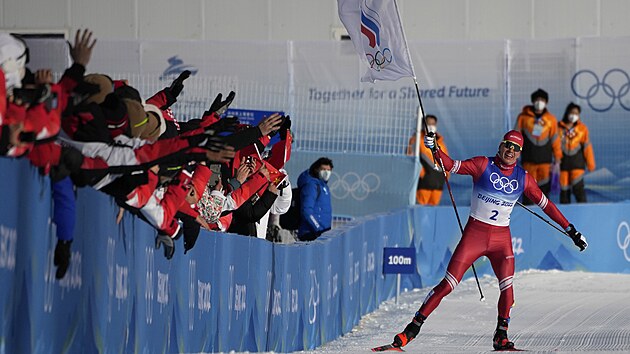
point(555, 312)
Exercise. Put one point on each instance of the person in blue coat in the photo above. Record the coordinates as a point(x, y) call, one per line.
point(315, 205)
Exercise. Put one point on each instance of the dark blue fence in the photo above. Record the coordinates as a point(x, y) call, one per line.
point(231, 292)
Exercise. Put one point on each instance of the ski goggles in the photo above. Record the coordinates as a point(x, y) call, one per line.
point(511, 145)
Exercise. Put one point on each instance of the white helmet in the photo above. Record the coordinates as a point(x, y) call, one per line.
point(13, 57)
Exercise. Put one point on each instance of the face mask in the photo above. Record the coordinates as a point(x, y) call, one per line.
point(431, 128)
point(573, 118)
point(325, 175)
point(540, 105)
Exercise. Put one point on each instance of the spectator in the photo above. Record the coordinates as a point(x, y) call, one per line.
point(315, 207)
point(542, 146)
point(577, 154)
point(431, 181)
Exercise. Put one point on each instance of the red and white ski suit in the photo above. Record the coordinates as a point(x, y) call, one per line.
point(496, 189)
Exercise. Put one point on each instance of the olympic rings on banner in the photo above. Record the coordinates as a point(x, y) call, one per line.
point(351, 184)
point(623, 238)
point(503, 183)
point(380, 59)
point(602, 94)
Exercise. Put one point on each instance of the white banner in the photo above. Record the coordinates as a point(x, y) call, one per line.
point(377, 34)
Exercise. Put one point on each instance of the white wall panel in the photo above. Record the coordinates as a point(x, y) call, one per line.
point(314, 19)
point(513, 22)
point(165, 19)
point(35, 14)
point(111, 19)
point(236, 19)
point(615, 18)
point(301, 19)
point(433, 19)
point(566, 18)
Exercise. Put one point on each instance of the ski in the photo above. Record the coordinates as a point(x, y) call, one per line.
point(386, 348)
point(510, 350)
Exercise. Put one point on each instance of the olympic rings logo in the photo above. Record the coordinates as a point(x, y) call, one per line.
point(602, 94)
point(503, 183)
point(380, 59)
point(626, 239)
point(351, 184)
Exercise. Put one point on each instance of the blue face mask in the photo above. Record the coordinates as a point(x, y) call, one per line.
point(325, 175)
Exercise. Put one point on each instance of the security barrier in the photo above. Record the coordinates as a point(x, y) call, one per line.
point(231, 292)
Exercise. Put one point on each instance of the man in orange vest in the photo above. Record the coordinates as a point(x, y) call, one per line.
point(542, 144)
point(577, 154)
point(431, 181)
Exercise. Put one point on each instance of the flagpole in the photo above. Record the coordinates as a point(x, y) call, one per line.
point(436, 156)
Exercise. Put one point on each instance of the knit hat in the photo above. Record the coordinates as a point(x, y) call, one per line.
point(138, 117)
point(105, 85)
point(514, 136)
point(540, 93)
point(156, 126)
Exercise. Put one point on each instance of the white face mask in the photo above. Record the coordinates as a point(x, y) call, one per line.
point(539, 105)
point(432, 128)
point(325, 175)
point(573, 118)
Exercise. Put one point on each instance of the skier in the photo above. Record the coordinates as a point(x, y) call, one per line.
point(497, 184)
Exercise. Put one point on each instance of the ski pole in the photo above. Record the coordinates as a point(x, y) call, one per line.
point(543, 219)
point(448, 185)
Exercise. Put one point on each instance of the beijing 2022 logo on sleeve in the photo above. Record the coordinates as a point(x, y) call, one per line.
point(601, 93)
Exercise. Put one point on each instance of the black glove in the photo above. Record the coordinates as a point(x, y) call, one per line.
point(219, 107)
point(227, 124)
point(286, 125)
point(62, 258)
point(283, 119)
point(168, 242)
point(178, 84)
point(577, 237)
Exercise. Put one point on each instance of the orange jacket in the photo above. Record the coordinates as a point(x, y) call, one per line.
point(577, 149)
point(541, 136)
point(426, 158)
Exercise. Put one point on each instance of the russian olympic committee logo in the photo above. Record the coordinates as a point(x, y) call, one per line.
point(503, 183)
point(601, 94)
point(623, 238)
point(351, 184)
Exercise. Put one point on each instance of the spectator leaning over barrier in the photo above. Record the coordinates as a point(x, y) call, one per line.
point(431, 180)
point(577, 155)
point(497, 184)
point(315, 204)
point(542, 145)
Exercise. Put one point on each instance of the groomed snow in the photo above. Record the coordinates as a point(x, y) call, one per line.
point(555, 312)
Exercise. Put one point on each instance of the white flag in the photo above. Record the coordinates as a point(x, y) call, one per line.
point(377, 34)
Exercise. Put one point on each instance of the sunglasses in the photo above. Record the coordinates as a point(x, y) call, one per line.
point(511, 145)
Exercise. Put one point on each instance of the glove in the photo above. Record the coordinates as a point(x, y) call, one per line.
point(577, 237)
point(169, 245)
point(227, 124)
point(429, 141)
point(286, 125)
point(219, 107)
point(178, 84)
point(62, 258)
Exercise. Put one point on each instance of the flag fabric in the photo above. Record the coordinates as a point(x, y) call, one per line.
point(376, 31)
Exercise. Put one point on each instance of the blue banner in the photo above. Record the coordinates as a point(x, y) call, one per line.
point(399, 260)
point(236, 293)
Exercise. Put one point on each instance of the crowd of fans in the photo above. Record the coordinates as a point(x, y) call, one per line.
point(93, 130)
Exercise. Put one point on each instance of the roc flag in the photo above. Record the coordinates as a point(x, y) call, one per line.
point(377, 34)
